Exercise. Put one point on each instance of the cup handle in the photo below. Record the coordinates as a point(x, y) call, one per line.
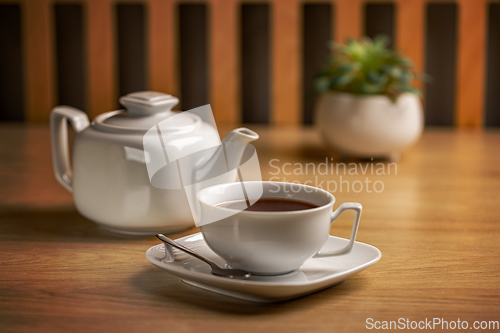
point(357, 208)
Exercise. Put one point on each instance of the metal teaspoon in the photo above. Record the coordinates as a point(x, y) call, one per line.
point(216, 270)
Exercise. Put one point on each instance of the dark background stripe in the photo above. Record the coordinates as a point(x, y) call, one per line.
point(131, 48)
point(379, 19)
point(11, 64)
point(70, 55)
point(193, 36)
point(255, 62)
point(441, 38)
point(316, 32)
point(492, 117)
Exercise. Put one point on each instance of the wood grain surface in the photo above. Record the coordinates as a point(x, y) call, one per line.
point(436, 223)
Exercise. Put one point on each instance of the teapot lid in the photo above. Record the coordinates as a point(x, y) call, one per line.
point(146, 103)
point(144, 110)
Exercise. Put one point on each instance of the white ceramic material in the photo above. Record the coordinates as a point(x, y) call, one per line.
point(314, 275)
point(369, 126)
point(109, 178)
point(270, 243)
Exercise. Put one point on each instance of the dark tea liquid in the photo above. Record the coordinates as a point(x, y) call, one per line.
point(269, 205)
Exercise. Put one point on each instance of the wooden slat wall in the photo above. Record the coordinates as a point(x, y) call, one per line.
point(471, 63)
point(410, 31)
point(348, 19)
point(101, 56)
point(224, 58)
point(39, 90)
point(286, 102)
point(162, 32)
point(224, 83)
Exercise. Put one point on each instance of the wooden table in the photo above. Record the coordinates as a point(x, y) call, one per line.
point(437, 223)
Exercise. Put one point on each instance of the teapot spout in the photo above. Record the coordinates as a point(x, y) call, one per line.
point(241, 134)
point(220, 165)
point(234, 145)
point(226, 158)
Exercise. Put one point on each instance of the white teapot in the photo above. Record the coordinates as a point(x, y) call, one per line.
point(109, 174)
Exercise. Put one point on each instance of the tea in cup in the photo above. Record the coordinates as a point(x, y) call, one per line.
point(270, 228)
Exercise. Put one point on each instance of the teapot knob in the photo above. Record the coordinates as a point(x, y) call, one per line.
point(145, 103)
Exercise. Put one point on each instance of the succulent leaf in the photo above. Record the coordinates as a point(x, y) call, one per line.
point(367, 66)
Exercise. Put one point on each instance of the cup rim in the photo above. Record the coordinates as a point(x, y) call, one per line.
point(302, 211)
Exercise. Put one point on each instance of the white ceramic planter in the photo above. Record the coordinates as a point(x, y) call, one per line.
point(369, 126)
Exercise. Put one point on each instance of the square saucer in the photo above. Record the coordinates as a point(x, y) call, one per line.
point(314, 275)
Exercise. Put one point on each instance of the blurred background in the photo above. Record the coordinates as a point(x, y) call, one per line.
point(253, 61)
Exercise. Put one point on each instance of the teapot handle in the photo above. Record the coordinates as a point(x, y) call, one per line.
point(59, 117)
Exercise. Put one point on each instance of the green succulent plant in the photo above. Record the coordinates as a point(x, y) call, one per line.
point(367, 67)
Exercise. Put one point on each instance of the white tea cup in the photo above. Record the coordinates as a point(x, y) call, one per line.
point(270, 242)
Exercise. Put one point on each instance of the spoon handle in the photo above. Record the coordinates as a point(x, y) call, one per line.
point(173, 243)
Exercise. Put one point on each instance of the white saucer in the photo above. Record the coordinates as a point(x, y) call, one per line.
point(314, 275)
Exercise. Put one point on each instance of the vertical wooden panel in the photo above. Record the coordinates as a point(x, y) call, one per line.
point(316, 32)
point(11, 67)
point(255, 61)
point(162, 60)
point(333, 23)
point(131, 43)
point(286, 87)
point(102, 90)
point(379, 20)
point(492, 116)
point(39, 84)
point(348, 19)
point(224, 93)
point(70, 66)
point(193, 49)
point(471, 63)
point(440, 64)
point(409, 40)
